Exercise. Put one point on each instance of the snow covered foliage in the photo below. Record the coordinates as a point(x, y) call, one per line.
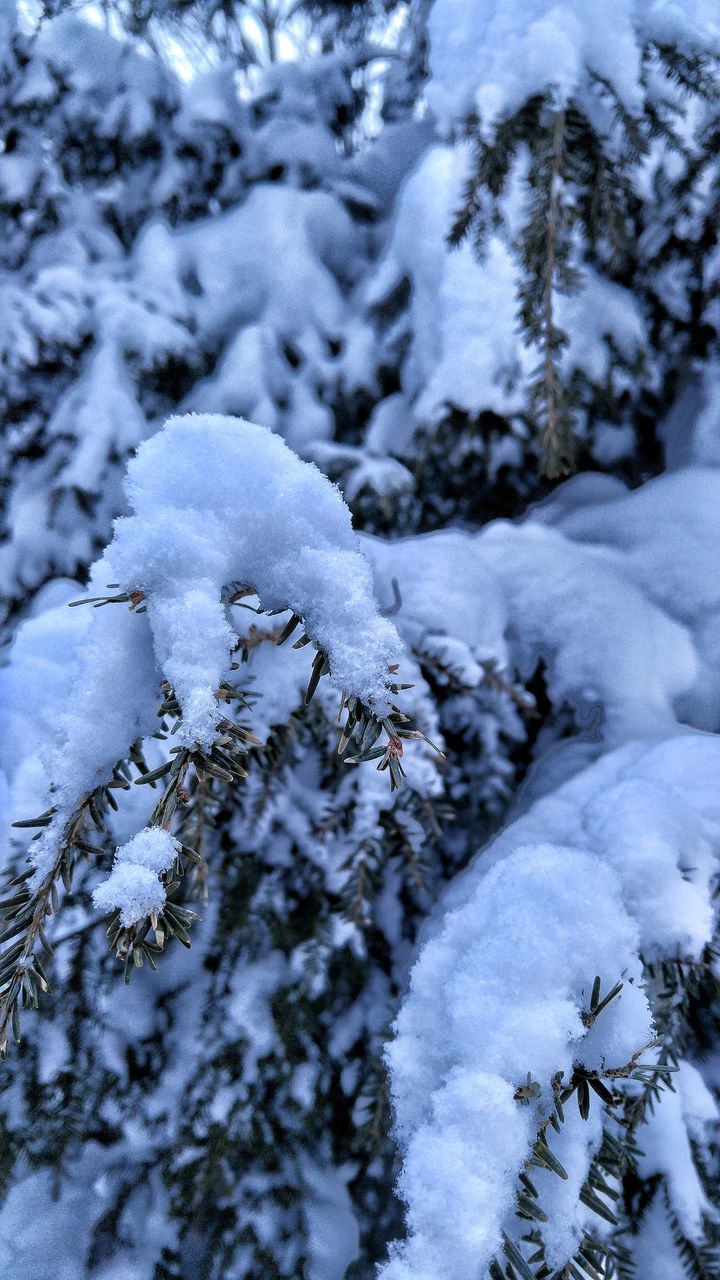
point(191, 549)
point(255, 515)
point(548, 124)
point(489, 57)
point(606, 878)
point(465, 1024)
point(587, 881)
point(134, 886)
point(123, 289)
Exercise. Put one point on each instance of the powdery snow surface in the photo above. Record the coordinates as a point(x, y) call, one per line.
point(614, 863)
point(134, 883)
point(464, 350)
point(611, 864)
point(490, 56)
point(250, 511)
point(504, 986)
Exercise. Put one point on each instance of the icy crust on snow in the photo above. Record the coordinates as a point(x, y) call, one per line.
point(615, 864)
point(490, 56)
point(134, 883)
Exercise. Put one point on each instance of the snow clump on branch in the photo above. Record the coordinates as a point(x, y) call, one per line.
point(251, 512)
point(215, 501)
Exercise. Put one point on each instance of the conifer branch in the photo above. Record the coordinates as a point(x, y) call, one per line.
point(25, 911)
point(594, 1258)
point(541, 254)
point(553, 439)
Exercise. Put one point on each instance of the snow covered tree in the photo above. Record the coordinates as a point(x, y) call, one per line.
point(110, 319)
point(572, 183)
point(357, 1009)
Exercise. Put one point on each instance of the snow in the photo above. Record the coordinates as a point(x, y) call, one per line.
point(332, 1230)
point(663, 537)
point(506, 971)
point(276, 680)
point(111, 702)
point(271, 257)
point(464, 350)
point(254, 513)
point(433, 574)
point(154, 245)
point(134, 883)
point(497, 994)
point(655, 1252)
point(666, 1147)
point(134, 889)
point(102, 410)
point(248, 1006)
point(211, 97)
point(35, 682)
point(615, 589)
point(610, 864)
point(490, 56)
point(239, 254)
point(8, 20)
point(268, 274)
point(99, 66)
point(154, 849)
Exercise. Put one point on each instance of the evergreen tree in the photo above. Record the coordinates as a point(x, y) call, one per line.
point(448, 277)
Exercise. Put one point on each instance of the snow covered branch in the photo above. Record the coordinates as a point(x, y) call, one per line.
point(501, 994)
point(447, 251)
point(222, 510)
point(552, 970)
